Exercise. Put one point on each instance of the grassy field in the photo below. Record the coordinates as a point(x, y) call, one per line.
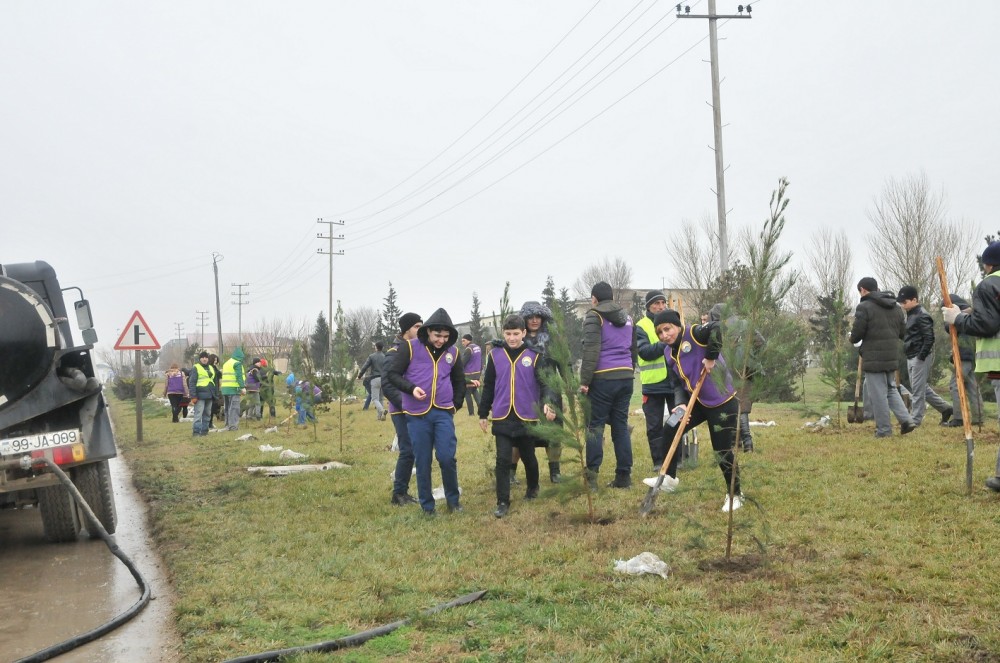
point(853, 549)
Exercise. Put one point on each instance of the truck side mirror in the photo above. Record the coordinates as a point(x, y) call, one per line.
point(84, 319)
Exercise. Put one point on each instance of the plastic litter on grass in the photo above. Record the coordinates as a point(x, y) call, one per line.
point(645, 562)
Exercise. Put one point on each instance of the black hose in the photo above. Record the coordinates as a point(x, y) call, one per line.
point(352, 640)
point(94, 525)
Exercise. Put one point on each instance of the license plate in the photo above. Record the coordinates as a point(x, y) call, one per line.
point(40, 441)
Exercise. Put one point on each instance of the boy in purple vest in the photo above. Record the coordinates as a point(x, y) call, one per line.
point(514, 391)
point(607, 372)
point(688, 349)
point(472, 361)
point(428, 373)
point(409, 324)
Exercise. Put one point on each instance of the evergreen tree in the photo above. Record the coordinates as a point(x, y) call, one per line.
point(549, 293)
point(342, 376)
point(476, 327)
point(505, 310)
point(319, 343)
point(572, 324)
point(358, 347)
point(391, 314)
point(638, 307)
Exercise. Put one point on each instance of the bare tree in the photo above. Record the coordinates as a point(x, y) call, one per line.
point(830, 263)
point(694, 254)
point(273, 338)
point(909, 230)
point(366, 318)
point(617, 273)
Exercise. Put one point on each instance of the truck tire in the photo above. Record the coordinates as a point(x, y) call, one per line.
point(59, 517)
point(94, 483)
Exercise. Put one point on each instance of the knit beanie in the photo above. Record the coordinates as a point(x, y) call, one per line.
point(654, 295)
point(467, 337)
point(602, 291)
point(991, 256)
point(665, 316)
point(871, 285)
point(407, 320)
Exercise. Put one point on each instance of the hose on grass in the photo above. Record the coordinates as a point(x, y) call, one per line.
point(94, 525)
point(355, 639)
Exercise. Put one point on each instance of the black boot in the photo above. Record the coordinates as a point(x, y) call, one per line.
point(554, 475)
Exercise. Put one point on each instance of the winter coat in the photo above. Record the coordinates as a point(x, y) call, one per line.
point(613, 313)
point(966, 344)
point(176, 383)
point(919, 338)
point(983, 321)
point(396, 367)
point(879, 322)
point(374, 362)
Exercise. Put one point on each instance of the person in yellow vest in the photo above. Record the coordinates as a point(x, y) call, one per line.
point(201, 386)
point(657, 385)
point(232, 387)
point(983, 323)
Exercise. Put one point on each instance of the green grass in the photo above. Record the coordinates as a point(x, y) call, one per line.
point(853, 549)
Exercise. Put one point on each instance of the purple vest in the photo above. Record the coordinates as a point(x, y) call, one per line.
point(688, 366)
point(475, 365)
point(175, 384)
point(252, 381)
point(616, 346)
point(434, 377)
point(516, 387)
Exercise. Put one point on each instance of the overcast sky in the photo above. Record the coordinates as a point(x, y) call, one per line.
point(465, 143)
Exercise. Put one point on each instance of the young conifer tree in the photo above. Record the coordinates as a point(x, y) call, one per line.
point(342, 376)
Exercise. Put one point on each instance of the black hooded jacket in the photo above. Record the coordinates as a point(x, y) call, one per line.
point(879, 322)
point(399, 361)
point(616, 315)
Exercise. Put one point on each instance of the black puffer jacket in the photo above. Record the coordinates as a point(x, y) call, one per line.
point(983, 321)
point(878, 322)
point(919, 339)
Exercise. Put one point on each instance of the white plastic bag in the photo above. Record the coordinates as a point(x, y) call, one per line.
point(645, 562)
point(288, 453)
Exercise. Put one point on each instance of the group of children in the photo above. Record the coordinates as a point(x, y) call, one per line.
point(425, 383)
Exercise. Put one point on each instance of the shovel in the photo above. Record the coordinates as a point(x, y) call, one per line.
point(650, 500)
point(856, 415)
point(963, 398)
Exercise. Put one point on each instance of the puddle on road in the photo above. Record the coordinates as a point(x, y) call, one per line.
point(52, 592)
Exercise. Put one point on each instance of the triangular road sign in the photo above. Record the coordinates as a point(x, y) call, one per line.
point(137, 335)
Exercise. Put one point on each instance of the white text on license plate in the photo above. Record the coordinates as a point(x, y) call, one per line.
point(39, 441)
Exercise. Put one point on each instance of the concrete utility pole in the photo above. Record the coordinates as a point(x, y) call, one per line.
point(720, 168)
point(202, 317)
point(216, 258)
point(240, 303)
point(330, 252)
point(179, 326)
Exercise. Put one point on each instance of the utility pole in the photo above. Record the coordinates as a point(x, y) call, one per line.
point(216, 258)
point(239, 294)
point(179, 326)
point(720, 175)
point(330, 252)
point(202, 317)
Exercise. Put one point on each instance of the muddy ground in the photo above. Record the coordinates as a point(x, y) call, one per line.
point(51, 592)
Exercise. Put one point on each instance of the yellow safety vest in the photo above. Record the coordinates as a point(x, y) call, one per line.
point(204, 375)
point(988, 349)
point(655, 370)
point(229, 375)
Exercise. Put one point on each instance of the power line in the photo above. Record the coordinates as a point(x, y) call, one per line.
point(477, 122)
point(240, 303)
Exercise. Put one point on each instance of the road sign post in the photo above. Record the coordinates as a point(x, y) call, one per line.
point(137, 336)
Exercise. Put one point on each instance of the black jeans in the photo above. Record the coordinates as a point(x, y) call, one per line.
point(472, 398)
point(505, 446)
point(721, 428)
point(609, 401)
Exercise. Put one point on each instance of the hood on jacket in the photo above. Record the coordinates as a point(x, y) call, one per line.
point(715, 313)
point(536, 308)
point(883, 299)
point(439, 318)
point(238, 354)
point(611, 311)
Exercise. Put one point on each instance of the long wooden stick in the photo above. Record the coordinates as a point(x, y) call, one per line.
point(963, 398)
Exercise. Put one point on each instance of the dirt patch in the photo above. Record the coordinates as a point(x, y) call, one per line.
point(738, 564)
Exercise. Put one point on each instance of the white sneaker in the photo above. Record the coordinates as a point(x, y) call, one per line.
point(669, 484)
point(737, 503)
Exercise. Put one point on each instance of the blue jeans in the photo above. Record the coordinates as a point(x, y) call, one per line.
point(202, 416)
point(609, 400)
point(434, 431)
point(404, 464)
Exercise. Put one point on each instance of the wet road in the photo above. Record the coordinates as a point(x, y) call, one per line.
point(51, 592)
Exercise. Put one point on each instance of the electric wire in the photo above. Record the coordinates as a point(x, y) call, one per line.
point(477, 122)
point(543, 152)
point(544, 121)
point(459, 162)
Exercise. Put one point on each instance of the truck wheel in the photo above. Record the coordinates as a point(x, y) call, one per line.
point(94, 483)
point(59, 515)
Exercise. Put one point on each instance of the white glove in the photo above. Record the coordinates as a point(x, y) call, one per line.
point(950, 313)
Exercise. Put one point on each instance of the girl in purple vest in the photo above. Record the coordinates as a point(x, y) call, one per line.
point(428, 373)
point(176, 390)
point(513, 390)
point(689, 348)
